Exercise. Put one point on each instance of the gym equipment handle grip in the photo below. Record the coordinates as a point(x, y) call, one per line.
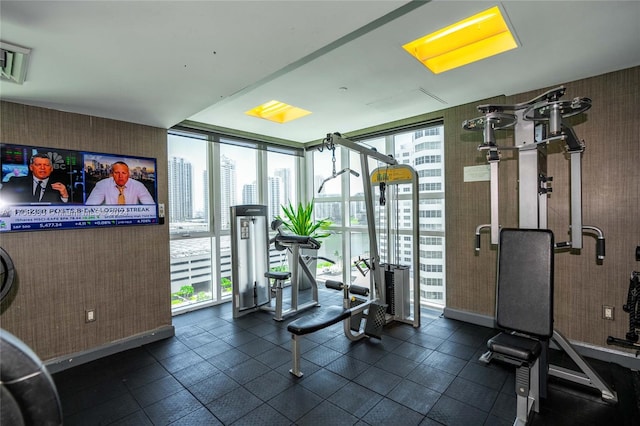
point(334, 285)
point(600, 248)
point(359, 290)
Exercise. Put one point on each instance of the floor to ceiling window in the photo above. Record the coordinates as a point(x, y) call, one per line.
point(342, 201)
point(207, 175)
point(191, 246)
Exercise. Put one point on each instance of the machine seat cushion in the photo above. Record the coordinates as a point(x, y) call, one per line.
point(520, 348)
point(319, 320)
point(278, 275)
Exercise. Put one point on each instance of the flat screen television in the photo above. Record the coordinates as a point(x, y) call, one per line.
point(49, 188)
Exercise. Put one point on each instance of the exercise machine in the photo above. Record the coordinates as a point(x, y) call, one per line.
point(302, 278)
point(536, 124)
point(524, 310)
point(254, 286)
point(250, 258)
point(361, 317)
point(632, 307)
point(389, 282)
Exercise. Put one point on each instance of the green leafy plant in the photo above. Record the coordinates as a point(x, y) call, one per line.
point(300, 221)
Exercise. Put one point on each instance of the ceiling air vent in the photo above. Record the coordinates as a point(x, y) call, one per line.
point(13, 62)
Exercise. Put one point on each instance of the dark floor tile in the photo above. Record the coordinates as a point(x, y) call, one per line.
point(490, 376)
point(228, 359)
point(145, 375)
point(172, 408)
point(327, 414)
point(295, 401)
point(247, 371)
point(431, 377)
point(212, 349)
point(425, 340)
point(275, 357)
point(306, 367)
point(89, 397)
point(378, 380)
point(347, 367)
point(369, 351)
point(239, 338)
point(414, 396)
point(195, 373)
point(388, 412)
point(444, 362)
point(180, 361)
point(213, 387)
point(412, 351)
point(436, 330)
point(400, 331)
point(104, 412)
point(458, 350)
point(197, 340)
point(321, 355)
point(256, 346)
point(167, 348)
point(396, 364)
point(138, 418)
point(355, 399)
point(470, 393)
point(342, 344)
point(451, 412)
point(471, 335)
point(199, 417)
point(505, 407)
point(234, 405)
point(278, 337)
point(156, 391)
point(493, 420)
point(324, 383)
point(236, 371)
point(269, 385)
point(264, 415)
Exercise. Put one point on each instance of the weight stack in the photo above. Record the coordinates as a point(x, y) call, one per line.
point(397, 290)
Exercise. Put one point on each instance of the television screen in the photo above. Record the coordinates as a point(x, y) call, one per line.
point(50, 188)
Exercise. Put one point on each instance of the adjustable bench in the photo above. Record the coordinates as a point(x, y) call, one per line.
point(524, 310)
point(352, 309)
point(309, 324)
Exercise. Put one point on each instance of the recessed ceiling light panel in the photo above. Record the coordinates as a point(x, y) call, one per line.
point(278, 112)
point(472, 39)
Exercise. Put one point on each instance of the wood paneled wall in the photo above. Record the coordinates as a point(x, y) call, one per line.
point(122, 273)
point(611, 201)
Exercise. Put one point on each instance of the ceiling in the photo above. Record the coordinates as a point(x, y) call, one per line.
point(159, 63)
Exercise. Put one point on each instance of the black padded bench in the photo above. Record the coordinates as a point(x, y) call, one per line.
point(524, 310)
point(309, 324)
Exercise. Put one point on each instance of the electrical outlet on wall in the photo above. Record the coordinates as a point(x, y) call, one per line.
point(607, 312)
point(89, 315)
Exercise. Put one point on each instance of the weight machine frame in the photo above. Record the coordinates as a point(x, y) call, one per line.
point(393, 173)
point(537, 123)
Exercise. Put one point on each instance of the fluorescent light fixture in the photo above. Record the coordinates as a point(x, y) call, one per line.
point(277, 111)
point(472, 39)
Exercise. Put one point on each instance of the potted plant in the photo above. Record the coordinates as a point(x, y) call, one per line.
point(300, 221)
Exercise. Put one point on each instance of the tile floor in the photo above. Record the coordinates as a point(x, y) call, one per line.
point(221, 371)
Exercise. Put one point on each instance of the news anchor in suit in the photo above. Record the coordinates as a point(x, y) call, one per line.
point(36, 187)
point(119, 189)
